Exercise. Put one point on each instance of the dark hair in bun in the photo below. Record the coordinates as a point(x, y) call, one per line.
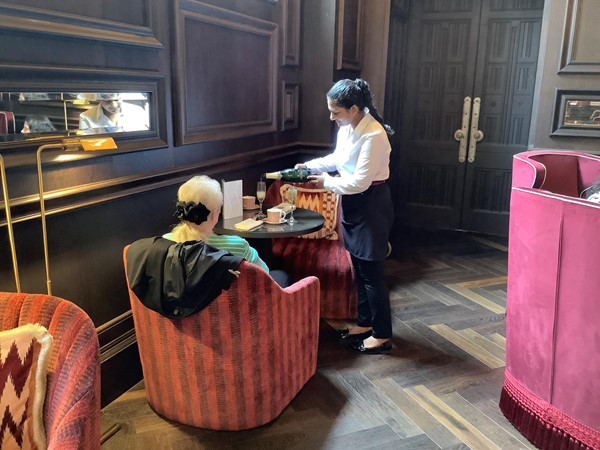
point(348, 93)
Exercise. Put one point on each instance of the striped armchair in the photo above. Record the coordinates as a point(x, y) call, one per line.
point(326, 259)
point(72, 405)
point(237, 363)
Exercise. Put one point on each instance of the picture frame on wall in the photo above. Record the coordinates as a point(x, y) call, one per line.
point(577, 113)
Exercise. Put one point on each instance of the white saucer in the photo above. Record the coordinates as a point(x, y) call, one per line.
point(255, 207)
point(282, 221)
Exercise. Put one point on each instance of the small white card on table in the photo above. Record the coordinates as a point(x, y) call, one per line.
point(232, 199)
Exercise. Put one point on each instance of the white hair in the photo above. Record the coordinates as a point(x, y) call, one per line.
point(199, 189)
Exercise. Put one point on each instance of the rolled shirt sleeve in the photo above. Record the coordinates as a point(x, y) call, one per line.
point(361, 156)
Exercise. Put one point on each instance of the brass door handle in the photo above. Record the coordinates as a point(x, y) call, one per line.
point(462, 135)
point(476, 133)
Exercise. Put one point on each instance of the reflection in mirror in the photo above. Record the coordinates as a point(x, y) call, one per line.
point(582, 113)
point(25, 115)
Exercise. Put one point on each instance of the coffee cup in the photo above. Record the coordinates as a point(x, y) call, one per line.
point(249, 201)
point(275, 215)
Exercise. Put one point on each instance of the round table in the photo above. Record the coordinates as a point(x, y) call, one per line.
point(306, 221)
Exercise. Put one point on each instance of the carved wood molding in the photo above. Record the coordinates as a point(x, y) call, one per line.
point(290, 108)
point(578, 54)
point(225, 75)
point(290, 32)
point(39, 21)
point(349, 33)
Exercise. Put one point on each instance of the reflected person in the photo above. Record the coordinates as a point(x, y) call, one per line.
point(37, 123)
point(111, 114)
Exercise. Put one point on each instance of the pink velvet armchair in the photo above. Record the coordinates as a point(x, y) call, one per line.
point(72, 406)
point(237, 363)
point(551, 391)
point(326, 259)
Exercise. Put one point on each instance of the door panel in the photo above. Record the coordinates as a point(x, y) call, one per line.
point(505, 81)
point(456, 49)
point(442, 51)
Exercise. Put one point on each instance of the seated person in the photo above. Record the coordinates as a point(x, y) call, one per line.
point(198, 208)
point(111, 114)
point(593, 193)
point(37, 124)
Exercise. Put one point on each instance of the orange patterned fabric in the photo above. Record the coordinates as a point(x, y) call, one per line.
point(237, 363)
point(72, 405)
point(326, 259)
point(324, 202)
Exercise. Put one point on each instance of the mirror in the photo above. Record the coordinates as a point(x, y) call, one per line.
point(27, 115)
point(577, 113)
point(582, 113)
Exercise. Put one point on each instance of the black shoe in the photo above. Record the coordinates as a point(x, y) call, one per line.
point(345, 335)
point(359, 347)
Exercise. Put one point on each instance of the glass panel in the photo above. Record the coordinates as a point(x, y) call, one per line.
point(26, 115)
point(582, 113)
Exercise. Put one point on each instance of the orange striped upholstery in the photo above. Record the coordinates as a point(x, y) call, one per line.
point(237, 363)
point(72, 406)
point(326, 259)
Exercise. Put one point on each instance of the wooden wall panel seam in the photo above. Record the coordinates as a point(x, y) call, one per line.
point(69, 25)
point(195, 124)
point(573, 22)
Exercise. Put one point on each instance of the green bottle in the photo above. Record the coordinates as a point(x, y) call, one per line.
point(292, 175)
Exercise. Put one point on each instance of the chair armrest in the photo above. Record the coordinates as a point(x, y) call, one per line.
point(527, 172)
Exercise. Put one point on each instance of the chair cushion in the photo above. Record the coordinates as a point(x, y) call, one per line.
point(324, 202)
point(24, 353)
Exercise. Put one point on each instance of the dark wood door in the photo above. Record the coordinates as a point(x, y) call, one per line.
point(483, 52)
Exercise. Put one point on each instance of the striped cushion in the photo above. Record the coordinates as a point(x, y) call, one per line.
point(24, 353)
point(72, 406)
point(330, 262)
point(239, 362)
point(326, 259)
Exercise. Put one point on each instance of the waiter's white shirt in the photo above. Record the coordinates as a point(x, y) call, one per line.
point(361, 156)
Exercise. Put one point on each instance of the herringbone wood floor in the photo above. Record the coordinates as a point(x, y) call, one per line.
point(438, 388)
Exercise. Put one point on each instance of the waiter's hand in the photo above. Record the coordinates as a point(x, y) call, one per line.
point(300, 166)
point(317, 181)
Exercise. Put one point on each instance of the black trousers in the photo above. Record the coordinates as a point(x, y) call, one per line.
point(373, 297)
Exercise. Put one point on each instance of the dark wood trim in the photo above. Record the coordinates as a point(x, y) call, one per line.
point(200, 12)
point(40, 21)
point(344, 34)
point(572, 21)
point(64, 200)
point(562, 97)
point(290, 108)
point(290, 32)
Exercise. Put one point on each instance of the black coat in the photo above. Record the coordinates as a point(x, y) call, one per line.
point(178, 279)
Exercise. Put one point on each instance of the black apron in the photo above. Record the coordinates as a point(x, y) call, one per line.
point(367, 220)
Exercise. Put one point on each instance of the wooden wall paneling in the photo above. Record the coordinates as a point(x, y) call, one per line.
point(225, 74)
point(290, 32)
point(349, 34)
point(290, 110)
point(581, 39)
point(125, 23)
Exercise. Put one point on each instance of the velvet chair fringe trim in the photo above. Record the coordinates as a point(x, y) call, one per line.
point(543, 424)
